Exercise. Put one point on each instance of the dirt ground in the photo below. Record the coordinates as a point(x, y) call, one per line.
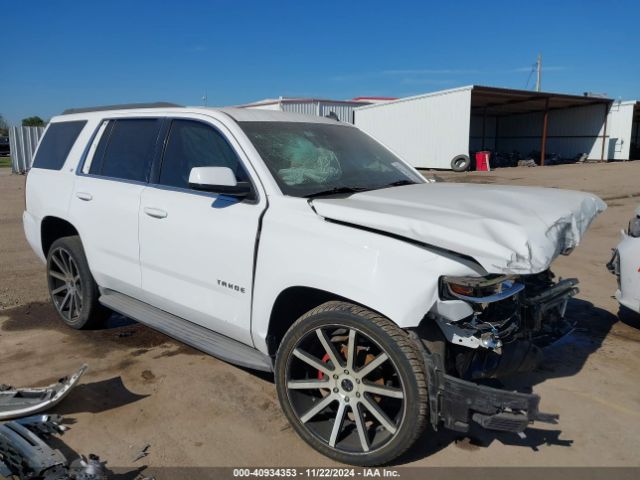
point(194, 410)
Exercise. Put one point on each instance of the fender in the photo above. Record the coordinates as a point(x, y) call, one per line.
point(297, 247)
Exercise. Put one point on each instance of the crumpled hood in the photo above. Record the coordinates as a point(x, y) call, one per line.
point(506, 229)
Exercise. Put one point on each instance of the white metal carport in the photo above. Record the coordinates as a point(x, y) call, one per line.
point(431, 130)
point(427, 130)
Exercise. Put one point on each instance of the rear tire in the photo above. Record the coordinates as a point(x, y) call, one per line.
point(73, 291)
point(370, 407)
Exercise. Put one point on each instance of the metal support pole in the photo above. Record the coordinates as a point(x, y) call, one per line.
point(539, 73)
point(484, 127)
point(604, 131)
point(543, 143)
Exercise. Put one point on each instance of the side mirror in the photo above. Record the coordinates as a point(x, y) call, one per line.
point(218, 180)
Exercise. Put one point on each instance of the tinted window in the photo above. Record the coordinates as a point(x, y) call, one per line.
point(56, 144)
point(194, 144)
point(126, 149)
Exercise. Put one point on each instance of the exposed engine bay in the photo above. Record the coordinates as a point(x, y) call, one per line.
point(511, 318)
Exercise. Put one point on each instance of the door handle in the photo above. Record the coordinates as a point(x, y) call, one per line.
point(84, 196)
point(155, 212)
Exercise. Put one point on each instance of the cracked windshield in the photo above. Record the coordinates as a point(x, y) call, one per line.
point(312, 159)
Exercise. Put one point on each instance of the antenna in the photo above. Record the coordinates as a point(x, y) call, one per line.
point(539, 73)
point(204, 99)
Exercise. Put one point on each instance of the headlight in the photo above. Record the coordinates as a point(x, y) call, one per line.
point(480, 289)
point(634, 227)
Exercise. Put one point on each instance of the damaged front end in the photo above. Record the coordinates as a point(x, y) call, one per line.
point(490, 328)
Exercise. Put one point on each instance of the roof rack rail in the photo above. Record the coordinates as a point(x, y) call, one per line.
point(124, 106)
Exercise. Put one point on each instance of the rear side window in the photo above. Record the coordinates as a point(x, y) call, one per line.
point(194, 144)
point(126, 149)
point(57, 143)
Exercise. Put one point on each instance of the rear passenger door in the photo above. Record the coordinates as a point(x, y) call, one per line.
point(197, 248)
point(106, 199)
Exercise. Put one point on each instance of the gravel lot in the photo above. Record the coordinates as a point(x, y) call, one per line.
point(194, 410)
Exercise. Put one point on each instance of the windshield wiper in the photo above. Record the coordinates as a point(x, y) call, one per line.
point(399, 183)
point(337, 191)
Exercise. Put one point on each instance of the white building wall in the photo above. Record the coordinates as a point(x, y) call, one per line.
point(581, 129)
point(635, 141)
point(267, 106)
point(428, 131)
point(305, 108)
point(570, 132)
point(620, 130)
point(344, 111)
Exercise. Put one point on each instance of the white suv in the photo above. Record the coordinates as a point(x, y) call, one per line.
point(626, 267)
point(300, 245)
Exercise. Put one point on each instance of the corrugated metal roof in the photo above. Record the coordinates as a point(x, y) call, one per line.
point(519, 101)
point(375, 99)
point(271, 101)
point(416, 97)
point(505, 101)
point(257, 115)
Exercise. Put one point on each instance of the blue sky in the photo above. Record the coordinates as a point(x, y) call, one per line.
point(65, 54)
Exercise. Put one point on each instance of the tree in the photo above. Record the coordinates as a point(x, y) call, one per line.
point(4, 127)
point(32, 122)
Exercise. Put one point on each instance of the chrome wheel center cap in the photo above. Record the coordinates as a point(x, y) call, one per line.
point(347, 385)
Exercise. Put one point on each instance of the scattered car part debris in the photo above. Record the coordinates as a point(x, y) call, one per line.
point(143, 452)
point(43, 424)
point(19, 402)
point(91, 468)
point(24, 454)
point(530, 162)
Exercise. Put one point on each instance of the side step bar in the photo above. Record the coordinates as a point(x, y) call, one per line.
point(187, 332)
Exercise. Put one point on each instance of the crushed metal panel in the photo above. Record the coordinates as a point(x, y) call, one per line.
point(24, 454)
point(20, 402)
point(506, 229)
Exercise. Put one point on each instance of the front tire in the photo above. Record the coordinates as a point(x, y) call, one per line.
point(352, 384)
point(73, 291)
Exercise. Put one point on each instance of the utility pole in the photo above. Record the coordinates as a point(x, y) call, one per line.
point(539, 73)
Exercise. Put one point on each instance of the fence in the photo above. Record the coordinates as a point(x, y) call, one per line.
point(23, 142)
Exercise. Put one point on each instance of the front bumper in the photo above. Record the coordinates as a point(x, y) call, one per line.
point(456, 403)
